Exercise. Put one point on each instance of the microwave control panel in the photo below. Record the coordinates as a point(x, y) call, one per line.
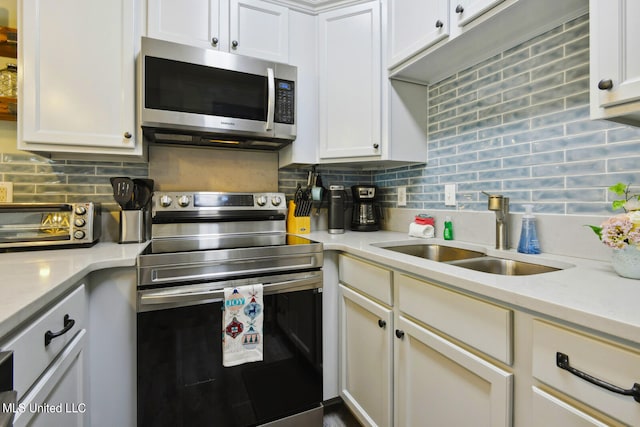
point(285, 102)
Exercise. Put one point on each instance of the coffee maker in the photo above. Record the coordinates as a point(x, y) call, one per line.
point(367, 211)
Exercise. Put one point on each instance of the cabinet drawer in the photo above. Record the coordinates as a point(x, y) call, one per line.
point(482, 325)
point(372, 280)
point(600, 359)
point(30, 355)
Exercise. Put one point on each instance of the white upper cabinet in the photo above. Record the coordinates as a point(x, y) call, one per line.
point(415, 25)
point(76, 65)
point(246, 27)
point(478, 29)
point(260, 29)
point(465, 11)
point(191, 22)
point(615, 63)
point(350, 79)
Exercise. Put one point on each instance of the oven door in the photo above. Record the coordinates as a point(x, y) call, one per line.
point(181, 380)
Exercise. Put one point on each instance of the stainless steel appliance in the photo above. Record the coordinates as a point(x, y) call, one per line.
point(201, 243)
point(191, 95)
point(337, 205)
point(367, 211)
point(49, 225)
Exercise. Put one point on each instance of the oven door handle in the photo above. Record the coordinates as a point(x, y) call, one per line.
point(151, 298)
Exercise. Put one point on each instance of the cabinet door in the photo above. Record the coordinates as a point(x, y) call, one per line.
point(440, 384)
point(615, 41)
point(549, 410)
point(77, 88)
point(61, 387)
point(465, 11)
point(350, 81)
point(259, 29)
point(415, 25)
point(366, 357)
point(191, 22)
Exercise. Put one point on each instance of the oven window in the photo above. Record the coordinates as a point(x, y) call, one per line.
point(190, 88)
point(181, 380)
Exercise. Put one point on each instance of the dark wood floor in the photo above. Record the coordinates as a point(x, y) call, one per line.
point(337, 415)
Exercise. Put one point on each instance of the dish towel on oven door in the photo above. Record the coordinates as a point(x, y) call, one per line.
point(242, 323)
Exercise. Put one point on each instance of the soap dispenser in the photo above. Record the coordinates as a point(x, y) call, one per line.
point(528, 236)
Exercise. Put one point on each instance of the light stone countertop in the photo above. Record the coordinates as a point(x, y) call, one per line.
point(31, 280)
point(590, 294)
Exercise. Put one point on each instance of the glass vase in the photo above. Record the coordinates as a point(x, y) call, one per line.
point(626, 262)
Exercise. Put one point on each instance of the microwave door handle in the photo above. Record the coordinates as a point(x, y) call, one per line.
point(271, 105)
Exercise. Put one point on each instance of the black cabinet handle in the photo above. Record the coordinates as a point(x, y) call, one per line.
point(562, 361)
point(439, 24)
point(399, 333)
point(68, 324)
point(605, 84)
point(459, 8)
point(382, 323)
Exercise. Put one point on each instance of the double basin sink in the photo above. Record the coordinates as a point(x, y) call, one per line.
point(473, 260)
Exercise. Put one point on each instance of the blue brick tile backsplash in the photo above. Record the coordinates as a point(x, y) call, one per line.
point(518, 124)
point(40, 179)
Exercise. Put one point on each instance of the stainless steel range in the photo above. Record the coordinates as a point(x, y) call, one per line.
point(202, 243)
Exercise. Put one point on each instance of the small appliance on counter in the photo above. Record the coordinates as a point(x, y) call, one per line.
point(49, 225)
point(134, 197)
point(337, 205)
point(367, 212)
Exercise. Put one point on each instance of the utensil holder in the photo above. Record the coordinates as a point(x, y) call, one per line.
point(135, 226)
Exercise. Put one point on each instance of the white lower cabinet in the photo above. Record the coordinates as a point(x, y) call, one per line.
point(58, 398)
point(49, 365)
point(397, 371)
point(366, 357)
point(440, 384)
point(549, 410)
point(564, 360)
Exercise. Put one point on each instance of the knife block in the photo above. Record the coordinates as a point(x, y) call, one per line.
point(135, 226)
point(297, 224)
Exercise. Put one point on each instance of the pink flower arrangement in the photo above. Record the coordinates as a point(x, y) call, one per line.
point(622, 230)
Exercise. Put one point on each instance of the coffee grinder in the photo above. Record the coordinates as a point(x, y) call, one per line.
point(367, 211)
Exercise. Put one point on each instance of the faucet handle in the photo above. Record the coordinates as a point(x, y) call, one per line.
point(496, 202)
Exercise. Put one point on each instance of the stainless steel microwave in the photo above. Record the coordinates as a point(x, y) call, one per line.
point(49, 225)
point(190, 95)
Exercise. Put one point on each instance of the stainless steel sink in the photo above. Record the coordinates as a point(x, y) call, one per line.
point(436, 252)
point(473, 260)
point(507, 267)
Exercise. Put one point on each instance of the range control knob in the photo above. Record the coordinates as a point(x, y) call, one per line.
point(165, 201)
point(276, 200)
point(78, 234)
point(79, 222)
point(183, 201)
point(261, 200)
point(81, 210)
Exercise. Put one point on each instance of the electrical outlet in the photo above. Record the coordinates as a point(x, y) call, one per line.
point(402, 196)
point(450, 195)
point(6, 192)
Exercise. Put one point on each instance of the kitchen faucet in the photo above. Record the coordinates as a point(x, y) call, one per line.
point(500, 205)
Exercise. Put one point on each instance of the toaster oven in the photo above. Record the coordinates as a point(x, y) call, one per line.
point(49, 225)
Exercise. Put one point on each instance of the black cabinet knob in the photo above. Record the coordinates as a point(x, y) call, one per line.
point(605, 84)
point(214, 42)
point(399, 333)
point(459, 8)
point(382, 323)
point(439, 24)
